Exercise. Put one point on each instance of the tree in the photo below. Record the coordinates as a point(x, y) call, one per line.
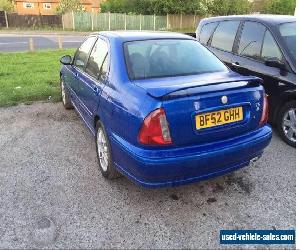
point(160, 7)
point(286, 7)
point(68, 5)
point(259, 6)
point(117, 6)
point(6, 5)
point(228, 7)
point(283, 7)
point(179, 6)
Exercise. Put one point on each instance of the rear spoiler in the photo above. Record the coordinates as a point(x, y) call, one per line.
point(193, 88)
point(211, 87)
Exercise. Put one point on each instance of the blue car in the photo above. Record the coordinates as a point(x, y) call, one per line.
point(163, 109)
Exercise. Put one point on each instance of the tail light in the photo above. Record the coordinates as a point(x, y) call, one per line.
point(155, 129)
point(265, 112)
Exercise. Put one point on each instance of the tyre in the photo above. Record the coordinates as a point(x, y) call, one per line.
point(65, 96)
point(286, 123)
point(104, 155)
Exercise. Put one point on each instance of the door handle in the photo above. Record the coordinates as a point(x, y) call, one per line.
point(235, 64)
point(96, 90)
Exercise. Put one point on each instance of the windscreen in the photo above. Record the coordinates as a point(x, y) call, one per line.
point(169, 58)
point(288, 33)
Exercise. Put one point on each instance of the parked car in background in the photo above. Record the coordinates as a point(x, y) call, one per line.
point(264, 46)
point(164, 110)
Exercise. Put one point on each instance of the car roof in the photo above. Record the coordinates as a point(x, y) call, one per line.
point(267, 19)
point(127, 36)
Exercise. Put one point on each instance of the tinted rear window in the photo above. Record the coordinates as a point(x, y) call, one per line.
point(251, 40)
point(224, 35)
point(207, 31)
point(169, 58)
point(288, 33)
point(270, 49)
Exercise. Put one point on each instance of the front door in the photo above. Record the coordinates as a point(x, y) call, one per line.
point(78, 68)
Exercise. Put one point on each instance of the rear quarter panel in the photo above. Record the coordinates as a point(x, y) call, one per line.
point(124, 104)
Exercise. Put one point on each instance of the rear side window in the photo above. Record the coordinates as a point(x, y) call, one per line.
point(251, 40)
point(105, 66)
point(270, 48)
point(224, 35)
point(82, 53)
point(288, 33)
point(96, 61)
point(206, 32)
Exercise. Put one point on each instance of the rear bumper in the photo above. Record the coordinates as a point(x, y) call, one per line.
point(161, 167)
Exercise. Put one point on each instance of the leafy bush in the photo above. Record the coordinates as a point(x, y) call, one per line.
point(161, 7)
point(68, 5)
point(200, 7)
point(228, 7)
point(283, 7)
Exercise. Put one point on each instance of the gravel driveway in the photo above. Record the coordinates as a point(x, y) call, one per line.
point(53, 196)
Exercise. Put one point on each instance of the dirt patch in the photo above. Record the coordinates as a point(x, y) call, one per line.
point(69, 116)
point(240, 181)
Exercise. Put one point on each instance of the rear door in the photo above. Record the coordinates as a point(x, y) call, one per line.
point(71, 76)
point(222, 41)
point(92, 80)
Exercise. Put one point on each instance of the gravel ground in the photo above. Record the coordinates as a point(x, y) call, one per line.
point(53, 196)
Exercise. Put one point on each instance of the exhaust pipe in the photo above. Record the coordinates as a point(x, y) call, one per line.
point(254, 160)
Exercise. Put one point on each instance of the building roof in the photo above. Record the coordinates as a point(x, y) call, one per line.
point(39, 1)
point(94, 3)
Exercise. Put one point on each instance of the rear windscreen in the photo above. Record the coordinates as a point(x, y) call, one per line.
point(169, 58)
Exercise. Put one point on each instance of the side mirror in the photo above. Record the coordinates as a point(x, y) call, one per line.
point(66, 60)
point(276, 64)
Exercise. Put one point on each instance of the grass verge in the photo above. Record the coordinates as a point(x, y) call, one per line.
point(27, 77)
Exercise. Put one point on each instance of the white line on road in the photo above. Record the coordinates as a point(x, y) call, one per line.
point(72, 41)
point(12, 43)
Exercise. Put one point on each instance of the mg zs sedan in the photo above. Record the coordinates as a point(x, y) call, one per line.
point(163, 109)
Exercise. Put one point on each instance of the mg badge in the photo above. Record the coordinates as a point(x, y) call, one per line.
point(257, 95)
point(224, 99)
point(197, 105)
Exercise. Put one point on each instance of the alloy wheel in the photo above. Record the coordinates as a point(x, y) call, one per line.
point(102, 150)
point(289, 124)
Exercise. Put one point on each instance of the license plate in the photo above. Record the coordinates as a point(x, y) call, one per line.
point(220, 117)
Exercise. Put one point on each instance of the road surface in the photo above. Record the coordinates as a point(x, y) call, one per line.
point(53, 196)
point(14, 42)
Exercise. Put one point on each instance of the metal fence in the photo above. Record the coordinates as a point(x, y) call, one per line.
point(116, 21)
